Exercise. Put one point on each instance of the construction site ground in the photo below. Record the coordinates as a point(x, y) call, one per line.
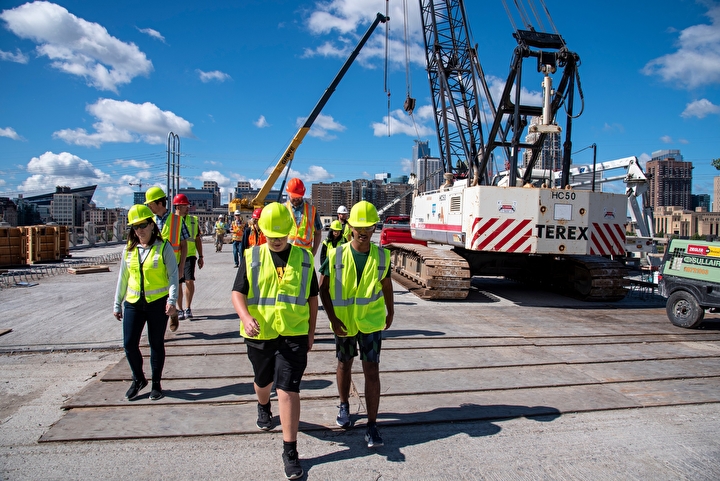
point(510, 383)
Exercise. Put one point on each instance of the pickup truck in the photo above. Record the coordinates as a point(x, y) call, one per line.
point(396, 230)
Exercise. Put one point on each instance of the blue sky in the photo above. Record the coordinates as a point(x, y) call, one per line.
point(89, 90)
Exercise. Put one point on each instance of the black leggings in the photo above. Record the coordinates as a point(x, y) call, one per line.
point(134, 320)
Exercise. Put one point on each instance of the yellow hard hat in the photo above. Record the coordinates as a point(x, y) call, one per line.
point(153, 194)
point(335, 225)
point(139, 213)
point(363, 214)
point(276, 220)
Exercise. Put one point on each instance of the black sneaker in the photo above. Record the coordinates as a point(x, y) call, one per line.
point(135, 388)
point(292, 465)
point(265, 418)
point(372, 436)
point(156, 392)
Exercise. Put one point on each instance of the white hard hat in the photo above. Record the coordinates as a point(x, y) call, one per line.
point(237, 212)
point(220, 216)
point(342, 210)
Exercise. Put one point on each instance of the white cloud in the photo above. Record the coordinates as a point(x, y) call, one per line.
point(10, 133)
point(666, 139)
point(152, 33)
point(117, 194)
point(138, 164)
point(261, 123)
point(402, 124)
point(123, 121)
point(323, 125)
point(352, 18)
point(406, 165)
point(18, 57)
point(700, 109)
point(76, 46)
point(50, 170)
point(697, 60)
point(206, 77)
point(225, 183)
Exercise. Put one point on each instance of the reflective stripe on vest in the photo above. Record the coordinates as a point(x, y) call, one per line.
point(192, 225)
point(360, 305)
point(279, 305)
point(301, 234)
point(153, 275)
point(171, 233)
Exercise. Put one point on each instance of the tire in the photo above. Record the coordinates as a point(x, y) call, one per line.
point(683, 310)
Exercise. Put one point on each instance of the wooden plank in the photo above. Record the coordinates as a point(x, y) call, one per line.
point(88, 269)
point(157, 420)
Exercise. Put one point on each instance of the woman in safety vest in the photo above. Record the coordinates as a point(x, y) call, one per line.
point(334, 237)
point(148, 283)
point(357, 294)
point(275, 296)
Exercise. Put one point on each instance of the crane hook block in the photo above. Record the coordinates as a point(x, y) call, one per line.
point(409, 105)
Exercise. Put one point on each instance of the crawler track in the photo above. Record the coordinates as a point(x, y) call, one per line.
point(432, 273)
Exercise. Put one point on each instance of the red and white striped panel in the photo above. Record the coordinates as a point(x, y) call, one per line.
point(502, 235)
point(607, 239)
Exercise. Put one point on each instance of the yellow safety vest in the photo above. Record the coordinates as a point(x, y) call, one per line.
point(279, 305)
point(171, 233)
point(192, 225)
point(301, 234)
point(347, 232)
point(149, 279)
point(360, 306)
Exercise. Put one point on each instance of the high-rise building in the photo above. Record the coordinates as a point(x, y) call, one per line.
point(670, 180)
point(213, 187)
point(550, 157)
point(138, 197)
point(716, 194)
point(701, 202)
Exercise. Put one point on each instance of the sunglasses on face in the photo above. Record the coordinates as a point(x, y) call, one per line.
point(141, 226)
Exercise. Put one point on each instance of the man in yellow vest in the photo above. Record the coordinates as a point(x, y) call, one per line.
point(307, 231)
point(194, 253)
point(275, 296)
point(173, 230)
point(357, 295)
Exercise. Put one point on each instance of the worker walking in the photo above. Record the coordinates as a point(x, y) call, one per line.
point(174, 231)
point(275, 296)
point(194, 254)
point(342, 216)
point(253, 236)
point(237, 229)
point(220, 230)
point(148, 283)
point(333, 239)
point(357, 294)
point(307, 228)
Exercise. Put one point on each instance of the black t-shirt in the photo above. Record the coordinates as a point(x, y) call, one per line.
point(280, 261)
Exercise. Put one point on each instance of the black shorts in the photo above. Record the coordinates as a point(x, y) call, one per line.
point(346, 348)
point(189, 274)
point(282, 360)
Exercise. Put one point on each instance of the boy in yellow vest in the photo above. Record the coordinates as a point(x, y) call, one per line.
point(357, 295)
point(275, 296)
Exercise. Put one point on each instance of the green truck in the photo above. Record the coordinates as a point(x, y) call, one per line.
point(690, 280)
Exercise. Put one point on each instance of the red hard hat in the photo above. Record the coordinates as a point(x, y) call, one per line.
point(295, 187)
point(181, 199)
point(256, 213)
